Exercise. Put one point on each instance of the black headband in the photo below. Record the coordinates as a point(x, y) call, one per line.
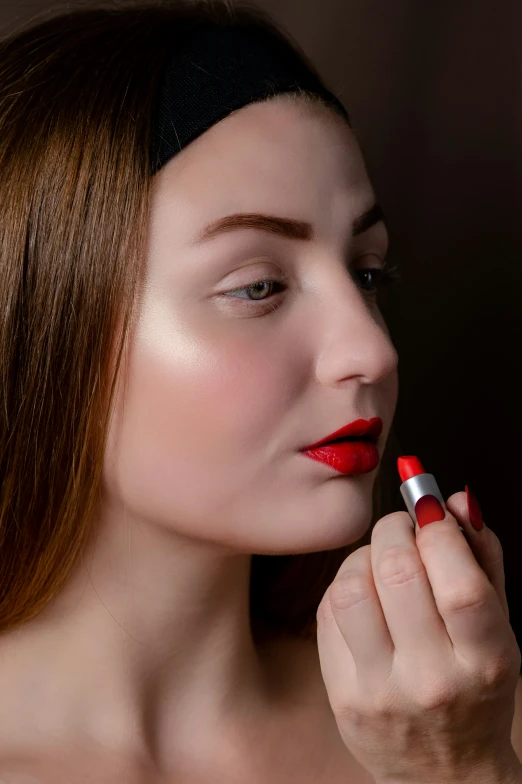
point(218, 69)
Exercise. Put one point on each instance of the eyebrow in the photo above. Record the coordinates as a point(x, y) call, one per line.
point(286, 227)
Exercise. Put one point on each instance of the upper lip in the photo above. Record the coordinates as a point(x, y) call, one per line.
point(369, 428)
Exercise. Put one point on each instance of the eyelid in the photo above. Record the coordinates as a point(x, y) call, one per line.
point(380, 257)
point(389, 275)
point(369, 245)
point(248, 274)
point(251, 276)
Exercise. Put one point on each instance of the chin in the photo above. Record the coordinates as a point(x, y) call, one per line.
point(329, 531)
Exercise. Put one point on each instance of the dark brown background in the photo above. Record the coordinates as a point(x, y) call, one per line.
point(434, 91)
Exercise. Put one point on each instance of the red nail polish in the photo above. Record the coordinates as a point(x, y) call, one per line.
point(475, 513)
point(428, 509)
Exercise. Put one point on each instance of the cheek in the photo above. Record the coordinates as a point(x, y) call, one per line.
point(196, 415)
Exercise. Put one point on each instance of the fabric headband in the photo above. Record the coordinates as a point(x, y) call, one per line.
point(217, 70)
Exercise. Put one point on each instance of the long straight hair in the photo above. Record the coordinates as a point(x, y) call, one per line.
point(77, 90)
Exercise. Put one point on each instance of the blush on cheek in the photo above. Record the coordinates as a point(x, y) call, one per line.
point(250, 394)
point(195, 419)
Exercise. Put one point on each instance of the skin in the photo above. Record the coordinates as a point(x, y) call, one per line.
point(418, 656)
point(148, 651)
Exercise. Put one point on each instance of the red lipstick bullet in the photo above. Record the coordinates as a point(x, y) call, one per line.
point(420, 491)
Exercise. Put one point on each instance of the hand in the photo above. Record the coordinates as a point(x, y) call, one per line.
point(417, 653)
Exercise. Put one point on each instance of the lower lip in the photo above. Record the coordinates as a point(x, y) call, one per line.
point(347, 457)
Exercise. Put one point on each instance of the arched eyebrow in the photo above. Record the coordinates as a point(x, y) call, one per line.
point(286, 227)
point(367, 220)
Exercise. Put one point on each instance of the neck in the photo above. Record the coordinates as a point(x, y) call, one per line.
point(147, 652)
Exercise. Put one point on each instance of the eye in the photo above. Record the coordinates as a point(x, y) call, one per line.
point(259, 289)
point(372, 279)
point(375, 278)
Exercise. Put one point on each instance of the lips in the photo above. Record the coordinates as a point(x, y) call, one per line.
point(347, 457)
point(351, 450)
point(361, 429)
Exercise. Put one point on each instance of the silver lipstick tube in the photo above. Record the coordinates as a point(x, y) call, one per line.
point(417, 486)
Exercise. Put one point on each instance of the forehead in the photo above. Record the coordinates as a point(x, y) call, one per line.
point(274, 156)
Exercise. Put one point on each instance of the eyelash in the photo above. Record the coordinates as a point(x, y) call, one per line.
point(386, 276)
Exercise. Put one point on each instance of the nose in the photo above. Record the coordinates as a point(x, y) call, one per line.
point(354, 339)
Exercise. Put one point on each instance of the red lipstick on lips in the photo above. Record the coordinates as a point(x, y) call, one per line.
point(358, 455)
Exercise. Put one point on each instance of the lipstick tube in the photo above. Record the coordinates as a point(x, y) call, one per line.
point(416, 483)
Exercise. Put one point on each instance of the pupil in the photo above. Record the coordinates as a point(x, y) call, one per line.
point(258, 286)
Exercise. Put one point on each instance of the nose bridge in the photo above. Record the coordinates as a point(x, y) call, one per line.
point(353, 337)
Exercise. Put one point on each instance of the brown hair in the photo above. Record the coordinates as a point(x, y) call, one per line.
point(76, 97)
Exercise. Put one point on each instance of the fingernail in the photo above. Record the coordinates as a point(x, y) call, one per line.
point(475, 514)
point(428, 509)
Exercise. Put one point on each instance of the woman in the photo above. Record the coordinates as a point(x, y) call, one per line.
point(183, 313)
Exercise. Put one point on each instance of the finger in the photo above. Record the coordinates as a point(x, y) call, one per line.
point(352, 632)
point(485, 545)
point(414, 622)
point(466, 600)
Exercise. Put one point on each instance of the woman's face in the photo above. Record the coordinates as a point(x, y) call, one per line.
point(223, 387)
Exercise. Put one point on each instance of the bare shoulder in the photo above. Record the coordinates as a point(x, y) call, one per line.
point(23, 771)
point(68, 769)
point(12, 774)
point(302, 743)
